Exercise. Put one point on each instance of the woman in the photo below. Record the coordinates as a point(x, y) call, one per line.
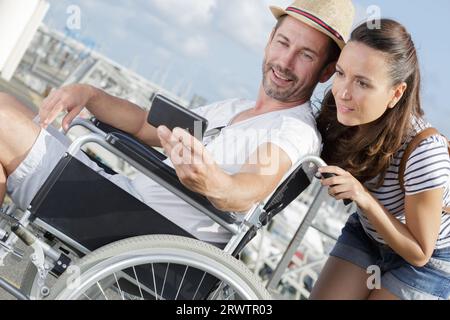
point(367, 121)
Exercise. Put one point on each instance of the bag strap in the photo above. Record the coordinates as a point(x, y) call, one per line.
point(425, 134)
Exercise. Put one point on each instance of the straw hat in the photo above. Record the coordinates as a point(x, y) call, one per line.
point(331, 17)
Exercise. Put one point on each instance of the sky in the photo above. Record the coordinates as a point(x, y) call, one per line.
point(214, 48)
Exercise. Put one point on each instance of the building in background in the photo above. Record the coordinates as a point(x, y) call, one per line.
point(55, 59)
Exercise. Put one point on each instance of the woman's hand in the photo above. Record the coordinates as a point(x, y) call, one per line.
point(344, 186)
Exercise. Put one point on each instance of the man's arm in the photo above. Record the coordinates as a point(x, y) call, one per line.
point(257, 179)
point(197, 170)
point(111, 110)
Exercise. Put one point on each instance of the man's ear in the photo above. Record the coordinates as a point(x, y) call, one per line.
point(328, 72)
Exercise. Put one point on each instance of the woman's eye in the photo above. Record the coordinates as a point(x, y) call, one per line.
point(339, 73)
point(284, 44)
point(362, 84)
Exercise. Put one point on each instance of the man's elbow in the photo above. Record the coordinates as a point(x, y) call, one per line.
point(226, 206)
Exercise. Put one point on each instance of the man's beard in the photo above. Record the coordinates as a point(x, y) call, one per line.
point(272, 90)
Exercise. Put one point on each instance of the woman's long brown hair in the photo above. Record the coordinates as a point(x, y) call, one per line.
point(367, 151)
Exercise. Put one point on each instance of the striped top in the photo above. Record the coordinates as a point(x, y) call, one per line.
point(427, 168)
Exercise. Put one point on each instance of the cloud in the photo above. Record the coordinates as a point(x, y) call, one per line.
point(186, 12)
point(248, 22)
point(188, 26)
point(195, 47)
point(161, 54)
point(162, 23)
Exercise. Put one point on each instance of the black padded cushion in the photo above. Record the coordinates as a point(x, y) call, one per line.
point(109, 129)
point(287, 192)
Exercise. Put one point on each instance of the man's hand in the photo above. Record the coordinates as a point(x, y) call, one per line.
point(195, 167)
point(71, 99)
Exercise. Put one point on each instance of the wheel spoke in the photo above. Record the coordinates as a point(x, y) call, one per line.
point(154, 282)
point(137, 282)
point(165, 279)
point(84, 294)
point(182, 280)
point(217, 290)
point(118, 286)
point(101, 289)
point(199, 285)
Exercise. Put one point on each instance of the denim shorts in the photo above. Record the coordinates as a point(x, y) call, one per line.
point(407, 282)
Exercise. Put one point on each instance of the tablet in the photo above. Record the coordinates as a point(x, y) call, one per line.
point(165, 112)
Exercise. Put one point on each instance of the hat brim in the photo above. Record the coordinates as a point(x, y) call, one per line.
point(279, 12)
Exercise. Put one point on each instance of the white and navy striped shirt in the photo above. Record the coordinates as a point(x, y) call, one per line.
point(427, 168)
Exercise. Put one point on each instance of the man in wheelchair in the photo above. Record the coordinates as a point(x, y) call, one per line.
point(241, 167)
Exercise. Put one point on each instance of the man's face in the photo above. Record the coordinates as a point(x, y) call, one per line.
point(294, 61)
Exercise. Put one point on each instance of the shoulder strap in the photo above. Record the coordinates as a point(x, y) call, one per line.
point(425, 134)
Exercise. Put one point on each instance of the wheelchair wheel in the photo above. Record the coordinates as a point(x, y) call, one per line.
point(158, 268)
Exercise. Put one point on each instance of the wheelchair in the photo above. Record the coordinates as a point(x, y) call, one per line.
point(108, 245)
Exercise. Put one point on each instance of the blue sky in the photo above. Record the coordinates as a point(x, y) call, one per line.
point(214, 47)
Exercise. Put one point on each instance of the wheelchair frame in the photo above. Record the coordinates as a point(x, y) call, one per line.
point(242, 230)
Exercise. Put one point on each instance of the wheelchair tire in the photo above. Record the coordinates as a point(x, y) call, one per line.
point(126, 256)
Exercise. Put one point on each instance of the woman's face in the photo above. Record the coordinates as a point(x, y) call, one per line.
point(362, 87)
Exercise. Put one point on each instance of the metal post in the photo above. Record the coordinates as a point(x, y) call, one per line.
point(321, 196)
point(12, 290)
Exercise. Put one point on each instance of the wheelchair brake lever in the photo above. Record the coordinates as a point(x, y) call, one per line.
point(331, 175)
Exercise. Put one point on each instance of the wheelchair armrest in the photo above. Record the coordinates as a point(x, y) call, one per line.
point(106, 128)
point(151, 160)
